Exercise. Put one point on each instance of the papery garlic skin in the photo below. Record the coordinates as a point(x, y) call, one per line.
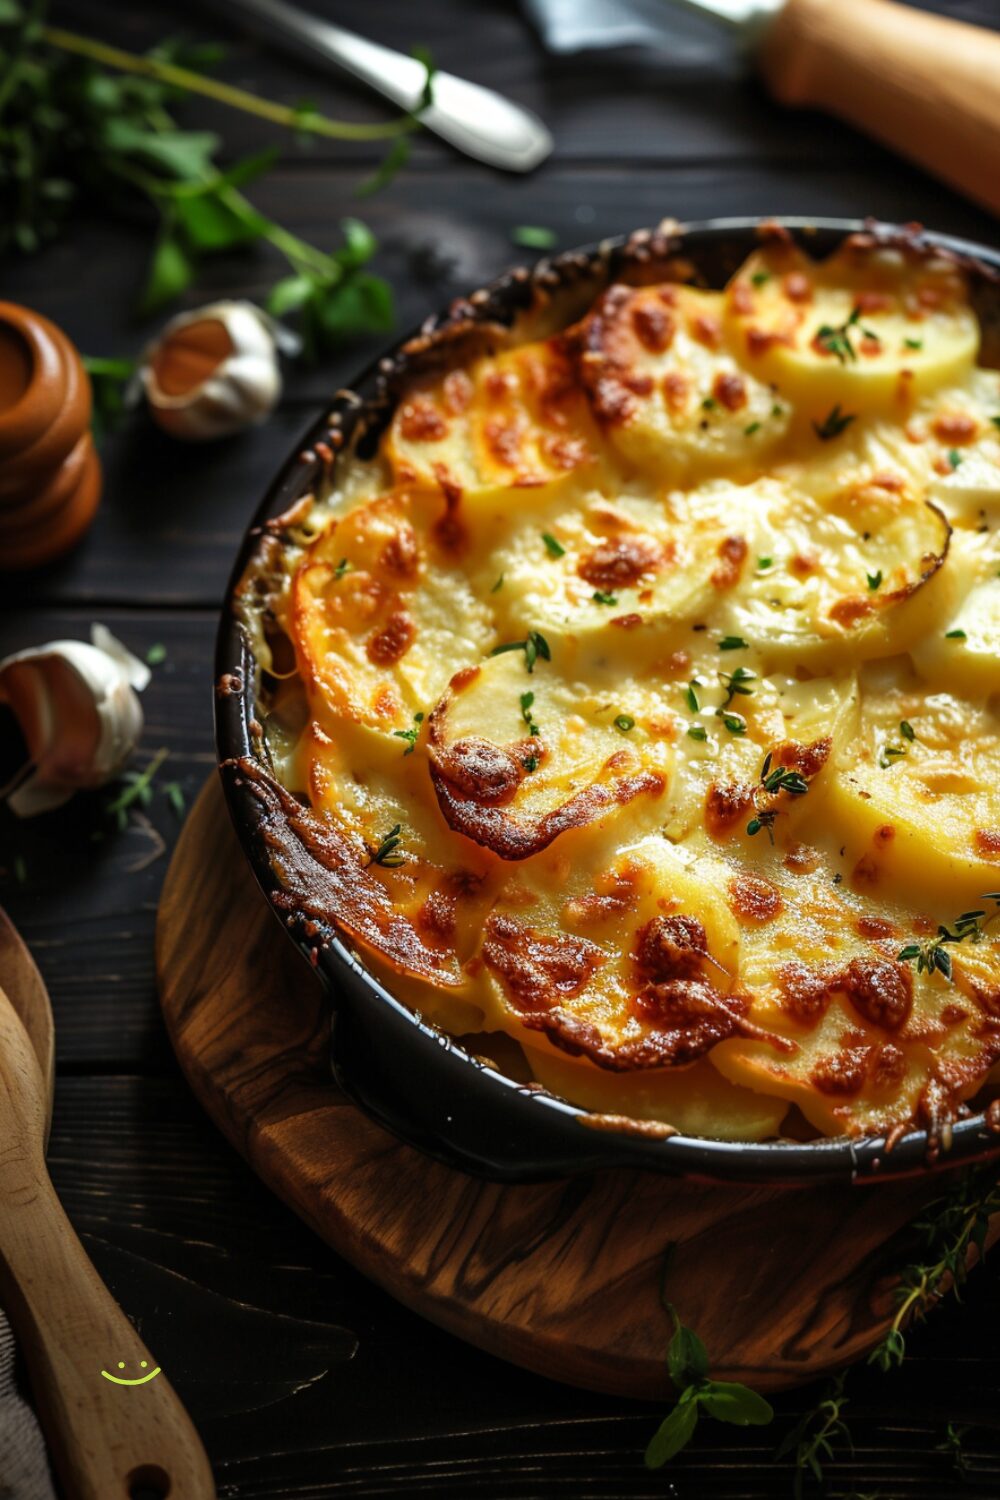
point(243, 387)
point(79, 714)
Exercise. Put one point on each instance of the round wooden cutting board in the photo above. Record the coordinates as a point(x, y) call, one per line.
point(561, 1277)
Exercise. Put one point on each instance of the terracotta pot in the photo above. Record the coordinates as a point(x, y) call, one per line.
point(50, 477)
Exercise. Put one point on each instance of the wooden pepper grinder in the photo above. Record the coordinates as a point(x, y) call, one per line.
point(50, 477)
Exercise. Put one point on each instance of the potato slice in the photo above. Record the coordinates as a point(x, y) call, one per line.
point(667, 391)
point(919, 816)
point(623, 581)
point(627, 963)
point(695, 1100)
point(518, 762)
point(380, 611)
point(515, 422)
point(876, 1043)
point(853, 574)
point(963, 654)
point(865, 332)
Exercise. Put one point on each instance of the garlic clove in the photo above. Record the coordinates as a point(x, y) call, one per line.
point(215, 371)
point(78, 714)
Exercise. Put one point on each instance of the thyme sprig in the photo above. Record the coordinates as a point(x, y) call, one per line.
point(137, 789)
point(933, 956)
point(534, 646)
point(833, 424)
point(836, 340)
point(774, 779)
point(812, 1438)
point(949, 1228)
point(527, 699)
point(384, 855)
point(410, 735)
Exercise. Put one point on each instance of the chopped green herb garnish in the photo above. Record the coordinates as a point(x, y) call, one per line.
point(735, 723)
point(874, 580)
point(889, 755)
point(156, 655)
point(527, 699)
point(955, 635)
point(763, 563)
point(733, 643)
point(533, 237)
point(174, 794)
point(384, 853)
point(749, 431)
point(624, 722)
point(995, 421)
point(530, 762)
point(777, 411)
point(759, 278)
point(697, 732)
point(709, 403)
point(833, 424)
point(836, 340)
point(534, 646)
point(600, 596)
point(772, 781)
point(409, 735)
point(552, 547)
point(738, 681)
point(497, 586)
point(692, 697)
point(138, 788)
point(342, 567)
point(906, 730)
point(913, 343)
point(954, 457)
point(933, 956)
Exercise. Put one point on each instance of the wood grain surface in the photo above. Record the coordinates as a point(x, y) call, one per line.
point(308, 1381)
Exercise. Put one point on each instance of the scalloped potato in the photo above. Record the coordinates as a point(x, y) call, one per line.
point(638, 699)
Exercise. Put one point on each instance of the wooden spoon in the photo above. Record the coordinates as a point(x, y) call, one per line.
point(108, 1441)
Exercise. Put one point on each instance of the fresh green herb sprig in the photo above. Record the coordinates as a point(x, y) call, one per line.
point(811, 1440)
point(109, 380)
point(833, 424)
point(737, 683)
point(699, 1395)
point(410, 735)
point(75, 134)
point(837, 340)
point(949, 1228)
point(553, 547)
point(534, 646)
point(136, 788)
point(933, 956)
point(604, 596)
point(527, 699)
point(385, 853)
point(954, 1448)
point(774, 779)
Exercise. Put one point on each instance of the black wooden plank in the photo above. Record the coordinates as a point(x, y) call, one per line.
point(172, 515)
point(309, 1383)
point(84, 894)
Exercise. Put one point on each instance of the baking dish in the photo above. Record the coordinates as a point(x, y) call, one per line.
point(414, 1079)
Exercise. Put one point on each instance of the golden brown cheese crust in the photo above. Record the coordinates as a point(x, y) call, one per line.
point(645, 697)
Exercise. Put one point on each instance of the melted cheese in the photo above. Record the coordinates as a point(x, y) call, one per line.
point(646, 689)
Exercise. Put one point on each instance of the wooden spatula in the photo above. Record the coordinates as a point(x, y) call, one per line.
point(109, 1440)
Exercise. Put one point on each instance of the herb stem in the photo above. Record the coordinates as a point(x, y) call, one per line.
point(222, 93)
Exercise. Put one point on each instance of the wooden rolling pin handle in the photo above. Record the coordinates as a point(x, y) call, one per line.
point(928, 87)
point(108, 1441)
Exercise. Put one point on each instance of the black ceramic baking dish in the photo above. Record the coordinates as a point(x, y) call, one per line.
point(410, 1077)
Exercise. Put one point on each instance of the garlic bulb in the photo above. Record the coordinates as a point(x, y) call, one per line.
point(215, 371)
point(79, 715)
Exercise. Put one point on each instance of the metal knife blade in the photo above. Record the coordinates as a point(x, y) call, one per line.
point(475, 120)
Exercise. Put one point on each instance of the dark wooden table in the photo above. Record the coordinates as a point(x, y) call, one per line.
point(305, 1380)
